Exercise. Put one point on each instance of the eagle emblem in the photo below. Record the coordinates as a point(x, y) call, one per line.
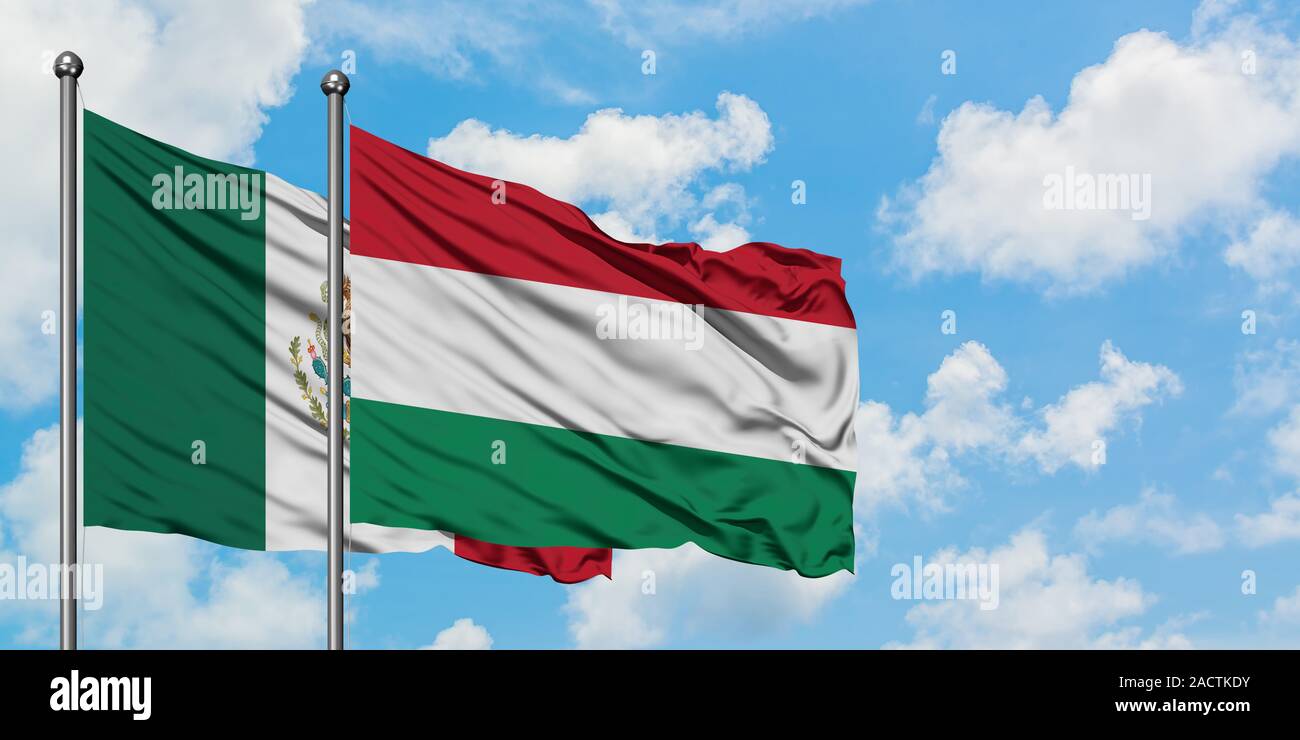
point(315, 386)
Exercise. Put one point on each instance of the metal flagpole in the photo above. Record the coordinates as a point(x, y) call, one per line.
point(67, 67)
point(335, 85)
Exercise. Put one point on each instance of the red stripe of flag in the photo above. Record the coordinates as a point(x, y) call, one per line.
point(421, 211)
point(564, 564)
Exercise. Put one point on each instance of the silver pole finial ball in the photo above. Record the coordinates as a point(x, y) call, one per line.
point(68, 64)
point(335, 81)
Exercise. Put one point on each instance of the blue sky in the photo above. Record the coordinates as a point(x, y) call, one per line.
point(925, 183)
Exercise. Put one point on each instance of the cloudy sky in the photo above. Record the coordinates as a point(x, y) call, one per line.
point(1104, 403)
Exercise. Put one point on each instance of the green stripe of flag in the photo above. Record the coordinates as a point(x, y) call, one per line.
point(562, 487)
point(174, 344)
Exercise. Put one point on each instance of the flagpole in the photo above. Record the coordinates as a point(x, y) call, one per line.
point(335, 85)
point(67, 68)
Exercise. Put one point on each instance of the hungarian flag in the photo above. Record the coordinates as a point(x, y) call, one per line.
point(205, 347)
point(523, 377)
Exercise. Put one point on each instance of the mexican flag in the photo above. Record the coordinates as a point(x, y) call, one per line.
point(523, 377)
point(204, 372)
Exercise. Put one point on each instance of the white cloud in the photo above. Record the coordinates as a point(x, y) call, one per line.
point(446, 37)
point(718, 236)
point(366, 578)
point(1285, 611)
point(1166, 636)
point(1090, 412)
point(1186, 114)
point(460, 39)
point(159, 590)
point(641, 168)
point(1210, 14)
point(728, 199)
point(1154, 519)
point(453, 39)
point(898, 463)
point(463, 634)
point(1268, 251)
point(566, 92)
point(198, 75)
point(910, 458)
point(1267, 381)
point(672, 21)
point(663, 595)
point(925, 116)
point(1279, 524)
point(614, 224)
point(1284, 439)
point(1045, 601)
point(256, 602)
point(29, 281)
point(960, 410)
